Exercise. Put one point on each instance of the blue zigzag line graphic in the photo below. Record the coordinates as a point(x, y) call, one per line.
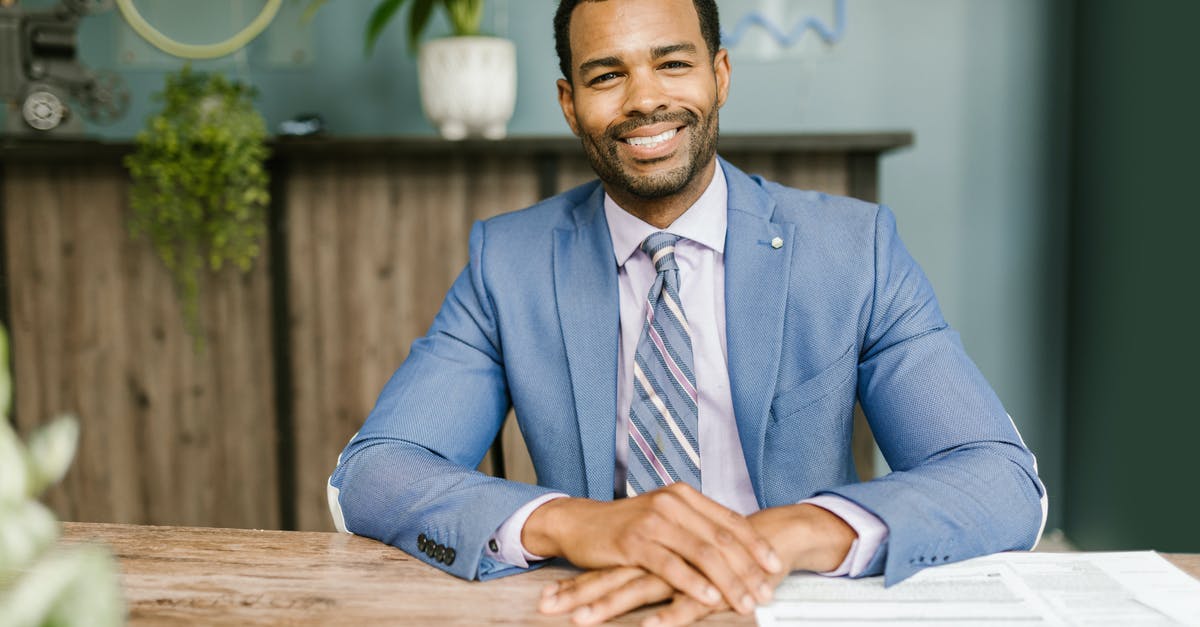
point(787, 40)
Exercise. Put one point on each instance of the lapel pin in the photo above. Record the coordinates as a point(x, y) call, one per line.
point(777, 242)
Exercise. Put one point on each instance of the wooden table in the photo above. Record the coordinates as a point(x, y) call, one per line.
point(189, 575)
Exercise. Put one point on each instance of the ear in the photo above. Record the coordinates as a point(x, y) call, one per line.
point(566, 100)
point(722, 70)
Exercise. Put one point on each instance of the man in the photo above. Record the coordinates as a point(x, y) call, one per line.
point(683, 345)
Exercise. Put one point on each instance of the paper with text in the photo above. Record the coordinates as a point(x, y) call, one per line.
point(1138, 588)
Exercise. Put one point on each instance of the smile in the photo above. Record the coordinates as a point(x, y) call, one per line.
point(650, 142)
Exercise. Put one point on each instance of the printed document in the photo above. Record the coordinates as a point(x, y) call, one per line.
point(1137, 588)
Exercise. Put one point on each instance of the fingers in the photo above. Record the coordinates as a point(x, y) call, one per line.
point(603, 598)
point(643, 590)
point(567, 595)
point(705, 537)
point(734, 523)
point(682, 576)
point(696, 545)
point(683, 610)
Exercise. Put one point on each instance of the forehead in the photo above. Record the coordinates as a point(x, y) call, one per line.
point(623, 27)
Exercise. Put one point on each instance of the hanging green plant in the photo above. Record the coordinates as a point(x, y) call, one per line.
point(199, 182)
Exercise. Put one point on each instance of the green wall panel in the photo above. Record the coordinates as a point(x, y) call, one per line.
point(1133, 424)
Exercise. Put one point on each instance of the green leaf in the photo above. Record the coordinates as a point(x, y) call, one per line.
point(51, 449)
point(27, 529)
point(379, 18)
point(198, 174)
point(5, 376)
point(14, 472)
point(465, 16)
point(67, 586)
point(418, 19)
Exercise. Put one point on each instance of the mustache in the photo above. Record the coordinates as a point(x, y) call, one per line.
point(628, 126)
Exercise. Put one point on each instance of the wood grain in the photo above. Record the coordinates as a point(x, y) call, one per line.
point(169, 435)
point(187, 576)
point(373, 246)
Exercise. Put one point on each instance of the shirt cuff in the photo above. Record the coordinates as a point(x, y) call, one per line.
point(505, 544)
point(872, 533)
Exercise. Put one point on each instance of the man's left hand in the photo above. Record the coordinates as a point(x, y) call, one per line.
point(805, 536)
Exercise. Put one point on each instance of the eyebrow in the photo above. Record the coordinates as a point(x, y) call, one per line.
point(655, 53)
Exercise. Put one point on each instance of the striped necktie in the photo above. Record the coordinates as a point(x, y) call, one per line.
point(663, 445)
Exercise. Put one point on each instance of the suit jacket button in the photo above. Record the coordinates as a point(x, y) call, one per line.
point(449, 557)
point(439, 553)
point(421, 542)
point(430, 547)
point(495, 548)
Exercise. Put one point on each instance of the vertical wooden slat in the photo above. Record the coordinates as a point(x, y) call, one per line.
point(574, 171)
point(169, 436)
point(374, 246)
point(820, 171)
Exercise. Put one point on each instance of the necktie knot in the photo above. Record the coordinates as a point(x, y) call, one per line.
point(660, 247)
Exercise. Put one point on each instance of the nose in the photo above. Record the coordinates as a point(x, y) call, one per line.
point(644, 94)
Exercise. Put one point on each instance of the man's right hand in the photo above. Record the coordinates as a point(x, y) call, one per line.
point(695, 544)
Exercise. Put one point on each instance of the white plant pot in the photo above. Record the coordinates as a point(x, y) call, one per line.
point(468, 85)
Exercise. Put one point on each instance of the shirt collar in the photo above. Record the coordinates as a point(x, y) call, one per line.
point(704, 222)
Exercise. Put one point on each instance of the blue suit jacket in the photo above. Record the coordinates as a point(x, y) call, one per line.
point(840, 311)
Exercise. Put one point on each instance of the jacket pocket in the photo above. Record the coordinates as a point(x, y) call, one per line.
point(815, 388)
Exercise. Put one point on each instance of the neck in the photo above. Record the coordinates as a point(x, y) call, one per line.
point(661, 212)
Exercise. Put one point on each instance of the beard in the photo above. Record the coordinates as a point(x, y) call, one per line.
point(603, 153)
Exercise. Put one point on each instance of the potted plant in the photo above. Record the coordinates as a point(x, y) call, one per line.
point(468, 81)
point(199, 182)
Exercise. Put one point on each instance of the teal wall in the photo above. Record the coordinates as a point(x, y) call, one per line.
point(981, 198)
point(1133, 427)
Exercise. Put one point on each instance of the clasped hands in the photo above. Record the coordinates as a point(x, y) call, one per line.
point(674, 544)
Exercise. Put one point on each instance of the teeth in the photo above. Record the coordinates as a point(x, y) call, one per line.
point(651, 141)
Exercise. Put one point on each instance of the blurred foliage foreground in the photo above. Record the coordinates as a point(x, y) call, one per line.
point(40, 583)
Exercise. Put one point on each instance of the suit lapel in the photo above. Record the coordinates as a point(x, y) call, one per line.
point(585, 289)
point(756, 282)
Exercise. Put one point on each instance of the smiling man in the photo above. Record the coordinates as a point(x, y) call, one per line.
point(683, 345)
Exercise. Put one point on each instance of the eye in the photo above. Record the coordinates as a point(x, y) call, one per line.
point(675, 65)
point(603, 78)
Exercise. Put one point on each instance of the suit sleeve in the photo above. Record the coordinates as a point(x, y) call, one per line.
point(407, 477)
point(963, 483)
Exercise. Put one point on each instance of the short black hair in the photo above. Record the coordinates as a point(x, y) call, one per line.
point(710, 29)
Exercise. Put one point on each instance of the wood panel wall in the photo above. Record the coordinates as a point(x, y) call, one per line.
point(373, 246)
point(366, 243)
point(169, 436)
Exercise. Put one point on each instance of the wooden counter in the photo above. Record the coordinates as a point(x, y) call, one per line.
point(190, 575)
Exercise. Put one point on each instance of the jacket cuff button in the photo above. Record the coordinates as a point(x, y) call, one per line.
point(449, 557)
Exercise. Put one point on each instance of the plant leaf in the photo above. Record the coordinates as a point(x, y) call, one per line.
point(5, 376)
point(14, 472)
point(418, 19)
point(379, 18)
point(51, 449)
